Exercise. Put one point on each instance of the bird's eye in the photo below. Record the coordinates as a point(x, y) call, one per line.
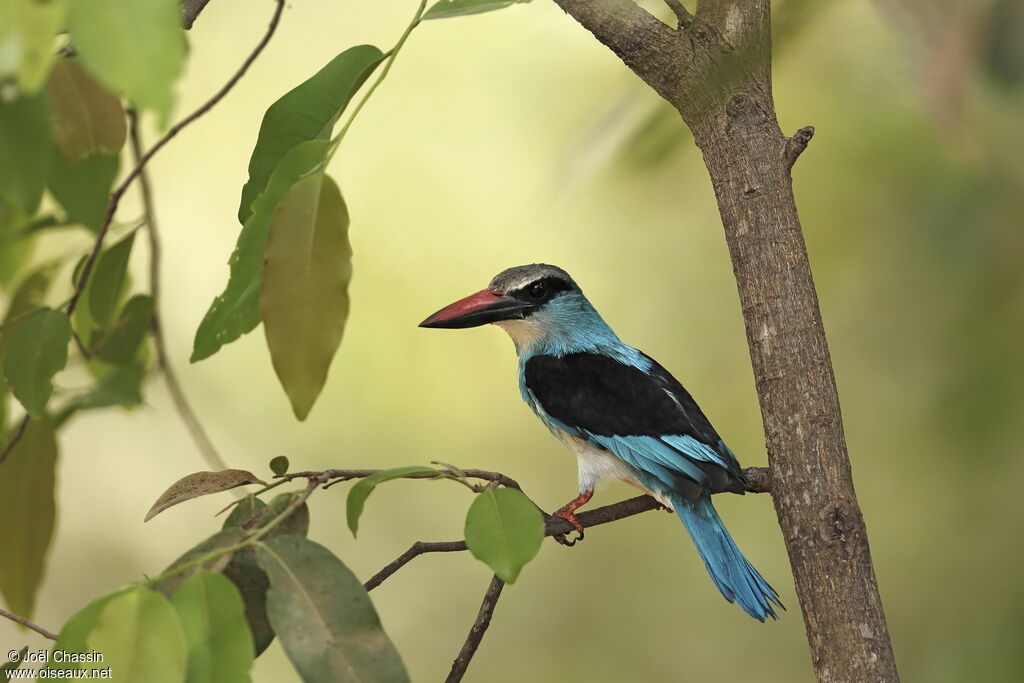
point(538, 290)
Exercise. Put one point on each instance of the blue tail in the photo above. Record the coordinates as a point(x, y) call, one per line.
point(735, 577)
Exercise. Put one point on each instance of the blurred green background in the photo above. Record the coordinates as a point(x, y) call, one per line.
point(514, 137)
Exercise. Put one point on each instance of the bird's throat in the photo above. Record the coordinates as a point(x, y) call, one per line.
point(525, 333)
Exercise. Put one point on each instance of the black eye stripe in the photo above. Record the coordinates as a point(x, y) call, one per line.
point(541, 290)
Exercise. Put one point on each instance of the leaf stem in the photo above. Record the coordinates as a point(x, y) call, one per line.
point(390, 55)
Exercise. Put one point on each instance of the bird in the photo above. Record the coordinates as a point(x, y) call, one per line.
point(622, 414)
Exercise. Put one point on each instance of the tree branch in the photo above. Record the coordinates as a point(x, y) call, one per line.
point(477, 631)
point(181, 404)
point(115, 196)
point(552, 526)
point(718, 76)
point(418, 548)
point(645, 44)
point(756, 478)
point(25, 622)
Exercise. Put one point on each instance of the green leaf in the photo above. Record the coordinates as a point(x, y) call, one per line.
point(140, 637)
point(83, 188)
point(358, 494)
point(123, 339)
point(16, 241)
point(24, 151)
point(105, 32)
point(245, 510)
point(225, 538)
point(72, 636)
point(304, 296)
point(26, 525)
point(327, 624)
point(36, 351)
point(295, 524)
point(307, 112)
point(13, 664)
point(107, 282)
point(279, 465)
point(29, 295)
point(220, 648)
point(252, 584)
point(119, 385)
point(245, 573)
point(443, 9)
point(504, 530)
point(237, 310)
point(201, 484)
point(27, 32)
point(86, 116)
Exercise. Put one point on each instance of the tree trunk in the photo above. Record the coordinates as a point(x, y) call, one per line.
point(715, 68)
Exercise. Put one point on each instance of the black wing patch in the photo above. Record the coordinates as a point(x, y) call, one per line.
point(603, 396)
point(599, 394)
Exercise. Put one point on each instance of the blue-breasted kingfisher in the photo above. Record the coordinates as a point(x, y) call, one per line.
point(622, 414)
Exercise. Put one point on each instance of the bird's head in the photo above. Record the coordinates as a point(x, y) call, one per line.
point(538, 305)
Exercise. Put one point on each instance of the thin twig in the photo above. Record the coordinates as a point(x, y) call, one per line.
point(115, 196)
point(603, 515)
point(477, 631)
point(82, 349)
point(418, 548)
point(338, 476)
point(682, 14)
point(390, 56)
point(181, 404)
point(552, 526)
point(15, 438)
point(757, 480)
point(25, 622)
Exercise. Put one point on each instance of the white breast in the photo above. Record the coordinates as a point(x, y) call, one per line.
point(597, 465)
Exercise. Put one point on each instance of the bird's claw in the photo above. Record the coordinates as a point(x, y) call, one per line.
point(571, 518)
point(561, 538)
point(568, 513)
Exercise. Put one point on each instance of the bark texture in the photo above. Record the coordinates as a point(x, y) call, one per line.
point(715, 68)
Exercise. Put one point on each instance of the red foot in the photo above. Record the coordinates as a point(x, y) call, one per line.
point(567, 512)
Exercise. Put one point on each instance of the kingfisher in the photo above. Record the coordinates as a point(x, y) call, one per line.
point(620, 412)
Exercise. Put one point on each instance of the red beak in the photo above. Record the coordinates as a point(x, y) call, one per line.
point(477, 309)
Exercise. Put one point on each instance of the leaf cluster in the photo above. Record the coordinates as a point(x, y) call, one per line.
point(76, 75)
